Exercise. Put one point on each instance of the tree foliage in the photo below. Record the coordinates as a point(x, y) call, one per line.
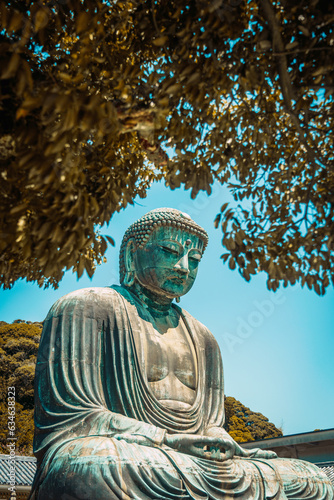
point(92, 93)
point(245, 425)
point(18, 351)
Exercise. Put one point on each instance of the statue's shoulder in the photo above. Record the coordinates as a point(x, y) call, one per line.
point(188, 316)
point(91, 293)
point(86, 297)
point(193, 322)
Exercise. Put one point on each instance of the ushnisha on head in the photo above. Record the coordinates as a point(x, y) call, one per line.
point(161, 252)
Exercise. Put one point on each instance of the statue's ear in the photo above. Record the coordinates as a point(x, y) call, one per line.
point(129, 262)
point(129, 255)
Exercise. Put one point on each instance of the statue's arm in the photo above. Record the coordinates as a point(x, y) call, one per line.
point(72, 391)
point(135, 431)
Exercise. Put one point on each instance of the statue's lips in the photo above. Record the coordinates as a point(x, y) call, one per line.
point(178, 280)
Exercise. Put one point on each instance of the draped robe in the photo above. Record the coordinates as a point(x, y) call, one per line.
point(91, 389)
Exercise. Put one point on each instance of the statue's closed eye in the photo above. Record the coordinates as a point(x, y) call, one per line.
point(171, 250)
point(195, 256)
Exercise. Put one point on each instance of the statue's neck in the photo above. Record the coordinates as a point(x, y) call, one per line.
point(150, 300)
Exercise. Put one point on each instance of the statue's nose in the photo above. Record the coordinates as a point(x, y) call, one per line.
point(183, 265)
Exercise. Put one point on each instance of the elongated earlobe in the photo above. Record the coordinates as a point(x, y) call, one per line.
point(130, 274)
point(129, 278)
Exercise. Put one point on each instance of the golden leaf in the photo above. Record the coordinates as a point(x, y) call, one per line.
point(81, 24)
point(21, 113)
point(41, 19)
point(160, 41)
point(12, 67)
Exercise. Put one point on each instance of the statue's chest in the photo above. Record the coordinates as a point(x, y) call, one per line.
point(170, 355)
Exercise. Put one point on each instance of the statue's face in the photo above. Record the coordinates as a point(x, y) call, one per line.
point(168, 263)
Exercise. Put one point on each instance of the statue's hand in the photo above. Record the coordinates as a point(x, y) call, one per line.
point(258, 453)
point(237, 449)
point(133, 438)
point(211, 448)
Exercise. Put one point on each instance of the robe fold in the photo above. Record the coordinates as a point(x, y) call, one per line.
point(91, 390)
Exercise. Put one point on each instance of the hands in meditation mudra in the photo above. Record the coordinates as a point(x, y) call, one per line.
point(129, 397)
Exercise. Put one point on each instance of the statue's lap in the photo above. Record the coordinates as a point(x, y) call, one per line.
point(102, 468)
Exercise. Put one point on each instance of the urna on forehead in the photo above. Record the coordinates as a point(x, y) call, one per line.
point(163, 217)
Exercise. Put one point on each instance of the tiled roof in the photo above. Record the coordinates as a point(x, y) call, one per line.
point(292, 439)
point(25, 468)
point(328, 469)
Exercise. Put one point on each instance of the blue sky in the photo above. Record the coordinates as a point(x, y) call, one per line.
point(277, 348)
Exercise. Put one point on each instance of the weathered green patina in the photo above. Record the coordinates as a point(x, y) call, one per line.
point(129, 389)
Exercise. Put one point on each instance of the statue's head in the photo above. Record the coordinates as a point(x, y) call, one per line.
point(161, 252)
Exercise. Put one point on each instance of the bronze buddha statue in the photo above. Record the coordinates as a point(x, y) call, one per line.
point(129, 397)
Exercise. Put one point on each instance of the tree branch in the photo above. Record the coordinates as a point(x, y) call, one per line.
point(279, 49)
point(287, 90)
